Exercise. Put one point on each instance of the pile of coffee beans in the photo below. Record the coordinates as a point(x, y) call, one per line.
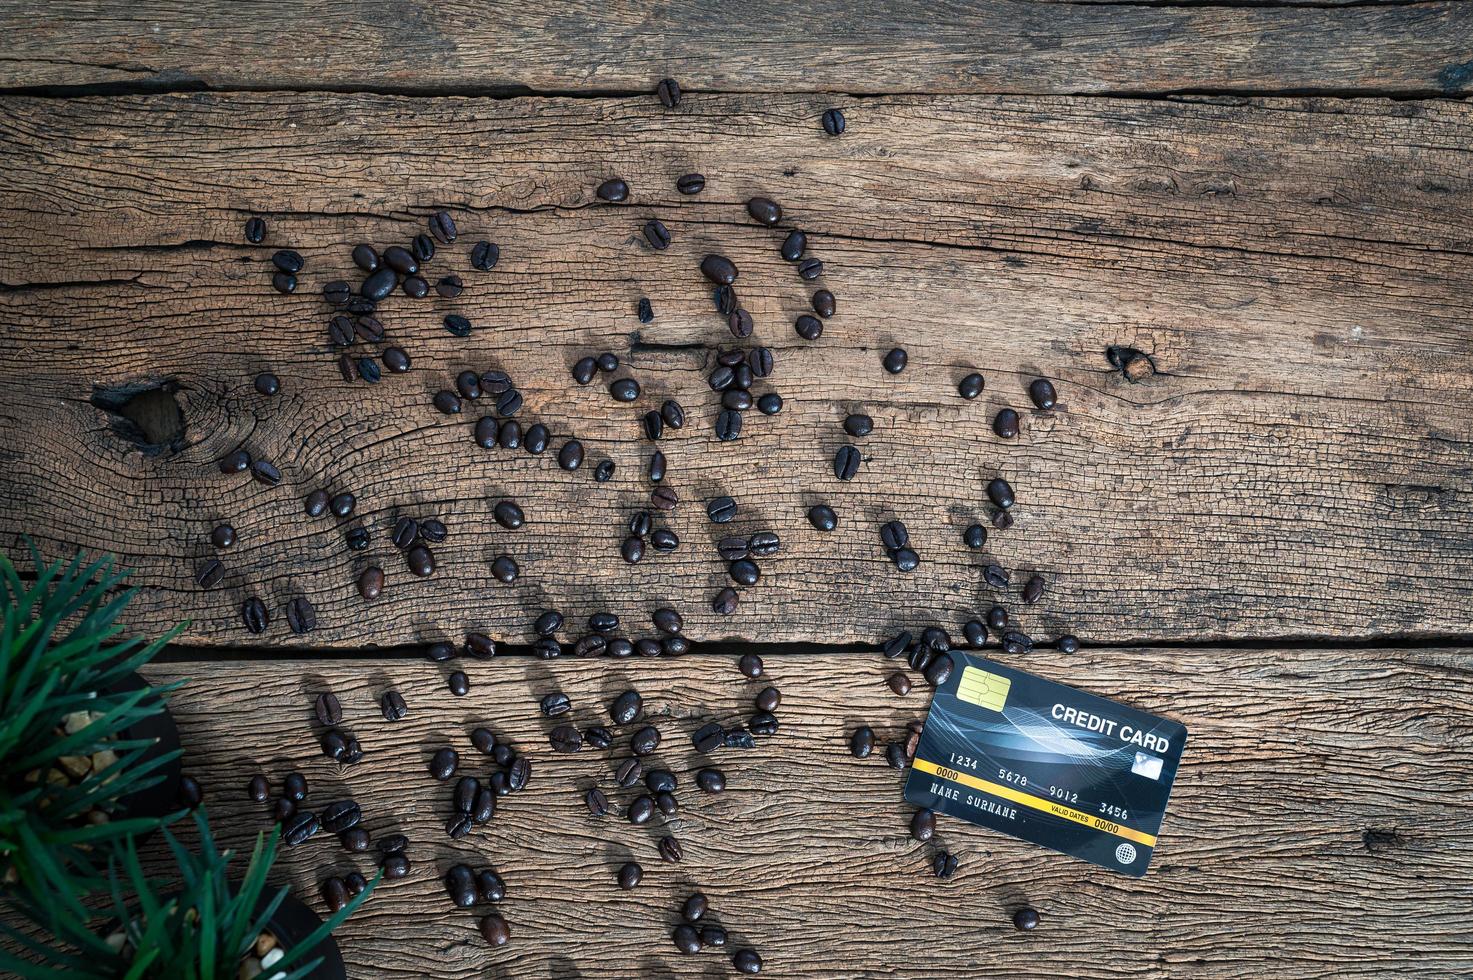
point(487, 400)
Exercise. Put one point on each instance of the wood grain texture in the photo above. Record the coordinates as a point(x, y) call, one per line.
point(873, 47)
point(1298, 465)
point(1318, 828)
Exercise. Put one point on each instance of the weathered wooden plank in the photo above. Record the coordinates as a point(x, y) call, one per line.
point(1318, 827)
point(868, 47)
point(1294, 468)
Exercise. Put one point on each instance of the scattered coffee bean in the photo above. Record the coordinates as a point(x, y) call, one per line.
point(613, 190)
point(846, 462)
point(1068, 643)
point(719, 269)
point(664, 498)
point(747, 960)
point(266, 472)
point(793, 246)
point(393, 707)
point(455, 324)
point(708, 737)
point(630, 875)
point(687, 940)
point(721, 510)
point(504, 569)
point(938, 671)
point(899, 683)
point(287, 261)
point(448, 402)
point(1025, 920)
point(565, 738)
point(744, 571)
point(808, 327)
point(423, 248)
point(300, 615)
point(895, 360)
point(1005, 424)
point(833, 122)
point(729, 425)
point(690, 183)
point(810, 269)
point(508, 514)
point(641, 809)
point(484, 256)
point(645, 741)
point(670, 850)
point(327, 709)
point(341, 816)
point(1000, 493)
point(711, 780)
point(495, 931)
point(644, 311)
point(944, 864)
point(725, 603)
point(395, 866)
point(668, 92)
point(624, 390)
point(570, 457)
point(421, 561)
point(971, 386)
point(442, 226)
point(975, 536)
point(299, 828)
point(750, 665)
point(1033, 590)
point(255, 230)
point(764, 211)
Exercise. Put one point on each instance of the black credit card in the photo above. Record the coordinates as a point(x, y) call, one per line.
point(1046, 763)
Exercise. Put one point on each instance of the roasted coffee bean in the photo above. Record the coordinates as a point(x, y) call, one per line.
point(1068, 643)
point(547, 648)
point(920, 657)
point(822, 517)
point(406, 529)
point(695, 907)
point(459, 825)
point(744, 571)
point(258, 790)
point(833, 122)
point(859, 425)
point(895, 756)
point(508, 403)
point(287, 260)
point(484, 740)
point(661, 781)
point(664, 540)
point(732, 547)
point(711, 780)
point(939, 671)
point(556, 703)
point(442, 226)
point(1025, 920)
point(629, 875)
point(255, 230)
point(342, 504)
point(971, 386)
point(455, 324)
point(975, 536)
point(670, 850)
point(423, 248)
point(632, 550)
point(509, 435)
point(534, 440)
point(846, 463)
point(690, 183)
point(725, 299)
point(764, 544)
point(1016, 643)
point(667, 620)
point(340, 331)
point(641, 809)
point(1002, 520)
point(570, 457)
point(480, 646)
point(624, 390)
point(923, 825)
point(508, 514)
point(486, 432)
point(1041, 391)
point(337, 293)
point(664, 498)
point(396, 360)
point(190, 793)
point(627, 772)
point(668, 92)
point(895, 360)
point(736, 399)
point(447, 402)
point(944, 864)
point(810, 269)
point(686, 939)
point(626, 708)
point(421, 561)
point(398, 259)
point(299, 828)
point(862, 742)
point(996, 576)
point(597, 802)
point(770, 403)
point(764, 211)
point(1000, 493)
point(284, 282)
point(598, 737)
point(590, 646)
point(768, 699)
point(504, 569)
point(739, 322)
point(906, 560)
point(997, 618)
point(657, 466)
point(300, 615)
point(729, 425)
point(294, 787)
point(644, 311)
point(721, 510)
point(653, 424)
point(236, 462)
point(210, 574)
point(763, 723)
point(468, 384)
point(666, 803)
point(327, 708)
point(823, 304)
point(1033, 590)
point(282, 810)
point(645, 741)
point(658, 237)
point(936, 639)
point(613, 190)
point(974, 632)
point(1005, 424)
point(808, 327)
point(607, 362)
point(719, 269)
point(583, 370)
point(379, 285)
point(460, 885)
point(368, 370)
point(340, 816)
point(393, 707)
point(266, 472)
point(708, 737)
point(443, 763)
point(899, 683)
point(484, 256)
point(793, 246)
point(896, 645)
point(395, 866)
point(604, 471)
point(725, 603)
point(369, 329)
point(565, 738)
point(335, 745)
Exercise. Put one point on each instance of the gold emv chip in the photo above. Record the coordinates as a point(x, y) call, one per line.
point(983, 688)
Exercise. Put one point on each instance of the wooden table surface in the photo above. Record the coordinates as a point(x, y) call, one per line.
point(1267, 538)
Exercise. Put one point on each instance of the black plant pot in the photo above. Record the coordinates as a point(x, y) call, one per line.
point(163, 796)
point(294, 922)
